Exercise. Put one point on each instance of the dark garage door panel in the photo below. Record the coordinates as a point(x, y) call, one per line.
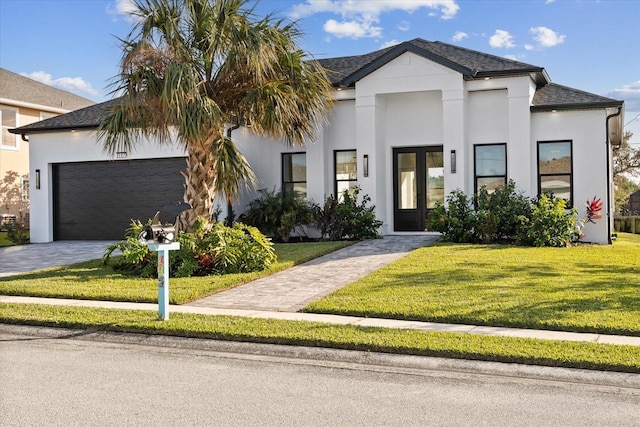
point(98, 200)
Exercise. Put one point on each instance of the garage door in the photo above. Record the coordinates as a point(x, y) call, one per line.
point(97, 200)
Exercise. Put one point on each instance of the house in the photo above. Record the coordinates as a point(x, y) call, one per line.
point(632, 207)
point(411, 123)
point(24, 101)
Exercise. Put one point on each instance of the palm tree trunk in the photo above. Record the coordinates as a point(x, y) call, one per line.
point(198, 188)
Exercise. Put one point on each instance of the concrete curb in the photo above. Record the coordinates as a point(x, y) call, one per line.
point(344, 359)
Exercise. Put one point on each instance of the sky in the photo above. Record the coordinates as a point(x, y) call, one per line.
point(591, 45)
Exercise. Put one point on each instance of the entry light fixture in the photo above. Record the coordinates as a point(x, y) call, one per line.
point(365, 165)
point(453, 161)
point(37, 179)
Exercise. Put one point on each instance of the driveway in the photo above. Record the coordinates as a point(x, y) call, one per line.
point(24, 258)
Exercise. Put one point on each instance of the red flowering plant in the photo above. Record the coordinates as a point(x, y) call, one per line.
point(594, 213)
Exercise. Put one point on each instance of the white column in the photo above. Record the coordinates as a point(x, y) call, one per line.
point(454, 108)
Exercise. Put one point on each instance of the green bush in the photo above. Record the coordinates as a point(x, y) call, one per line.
point(498, 212)
point(508, 214)
point(18, 234)
point(456, 220)
point(212, 248)
point(347, 219)
point(550, 223)
point(278, 215)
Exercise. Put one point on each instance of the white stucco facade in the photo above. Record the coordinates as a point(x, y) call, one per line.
point(409, 102)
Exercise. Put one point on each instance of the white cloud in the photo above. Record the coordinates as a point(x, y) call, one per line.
point(372, 8)
point(630, 94)
point(404, 26)
point(389, 43)
point(501, 38)
point(359, 18)
point(511, 57)
point(351, 29)
point(71, 84)
point(528, 47)
point(123, 9)
point(459, 36)
point(549, 1)
point(546, 37)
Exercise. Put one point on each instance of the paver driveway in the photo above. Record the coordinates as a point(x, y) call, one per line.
point(20, 259)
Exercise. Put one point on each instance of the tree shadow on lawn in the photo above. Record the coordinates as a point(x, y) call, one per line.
point(594, 305)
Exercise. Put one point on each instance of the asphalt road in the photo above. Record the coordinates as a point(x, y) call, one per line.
point(72, 380)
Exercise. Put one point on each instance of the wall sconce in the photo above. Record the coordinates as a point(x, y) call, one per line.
point(453, 161)
point(37, 179)
point(365, 165)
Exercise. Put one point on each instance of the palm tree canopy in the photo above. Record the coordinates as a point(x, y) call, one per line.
point(191, 67)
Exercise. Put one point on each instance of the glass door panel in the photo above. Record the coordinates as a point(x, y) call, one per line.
point(407, 181)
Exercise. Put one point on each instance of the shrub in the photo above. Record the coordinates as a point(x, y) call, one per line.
point(456, 220)
point(278, 215)
point(550, 223)
point(347, 219)
point(212, 248)
point(498, 212)
point(18, 234)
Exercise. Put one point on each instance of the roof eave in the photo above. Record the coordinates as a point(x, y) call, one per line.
point(21, 131)
point(538, 75)
point(575, 106)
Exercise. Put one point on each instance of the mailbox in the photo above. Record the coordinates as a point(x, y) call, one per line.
point(159, 233)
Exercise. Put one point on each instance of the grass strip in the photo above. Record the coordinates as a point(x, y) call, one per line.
point(588, 288)
point(608, 357)
point(90, 280)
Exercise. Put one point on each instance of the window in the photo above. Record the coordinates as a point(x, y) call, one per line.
point(346, 167)
point(490, 166)
point(24, 189)
point(555, 173)
point(294, 173)
point(9, 117)
point(435, 178)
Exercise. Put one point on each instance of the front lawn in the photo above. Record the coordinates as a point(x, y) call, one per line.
point(586, 288)
point(443, 344)
point(90, 280)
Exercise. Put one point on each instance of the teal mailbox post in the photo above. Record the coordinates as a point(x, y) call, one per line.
point(161, 238)
point(163, 275)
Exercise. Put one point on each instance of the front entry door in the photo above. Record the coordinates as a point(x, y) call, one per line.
point(418, 183)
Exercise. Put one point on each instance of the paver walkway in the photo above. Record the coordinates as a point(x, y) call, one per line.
point(294, 288)
point(23, 258)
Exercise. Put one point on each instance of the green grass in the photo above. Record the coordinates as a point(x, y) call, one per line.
point(4, 241)
point(587, 288)
point(442, 344)
point(90, 280)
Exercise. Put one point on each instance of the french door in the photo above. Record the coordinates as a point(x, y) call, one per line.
point(418, 184)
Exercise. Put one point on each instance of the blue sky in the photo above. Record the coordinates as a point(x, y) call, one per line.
point(585, 44)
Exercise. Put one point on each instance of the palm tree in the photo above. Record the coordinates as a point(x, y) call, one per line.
point(190, 68)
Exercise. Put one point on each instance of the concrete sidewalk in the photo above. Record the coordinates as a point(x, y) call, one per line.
point(339, 320)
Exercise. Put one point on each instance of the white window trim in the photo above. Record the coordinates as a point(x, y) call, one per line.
point(9, 147)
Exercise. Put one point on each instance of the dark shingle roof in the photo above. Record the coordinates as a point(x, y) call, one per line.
point(554, 96)
point(85, 118)
point(23, 89)
point(345, 71)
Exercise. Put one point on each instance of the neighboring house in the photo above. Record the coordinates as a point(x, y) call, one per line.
point(411, 123)
point(633, 205)
point(24, 101)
